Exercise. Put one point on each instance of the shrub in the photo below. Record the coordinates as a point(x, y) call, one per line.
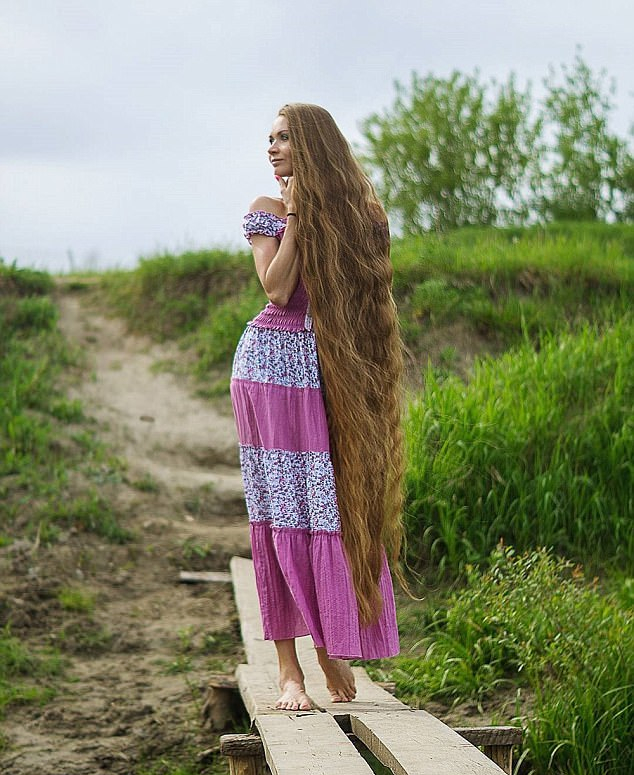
point(534, 621)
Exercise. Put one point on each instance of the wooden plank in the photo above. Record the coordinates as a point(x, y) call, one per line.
point(491, 736)
point(370, 697)
point(241, 745)
point(502, 755)
point(258, 686)
point(258, 650)
point(417, 743)
point(204, 577)
point(245, 754)
point(250, 765)
point(311, 744)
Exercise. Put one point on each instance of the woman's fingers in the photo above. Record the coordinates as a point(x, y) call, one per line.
point(286, 189)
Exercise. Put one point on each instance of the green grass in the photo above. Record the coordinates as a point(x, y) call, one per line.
point(25, 673)
point(536, 450)
point(173, 764)
point(500, 284)
point(90, 513)
point(75, 599)
point(23, 282)
point(504, 284)
point(43, 434)
point(169, 296)
point(533, 622)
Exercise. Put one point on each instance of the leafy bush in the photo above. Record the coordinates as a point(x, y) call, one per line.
point(455, 151)
point(535, 621)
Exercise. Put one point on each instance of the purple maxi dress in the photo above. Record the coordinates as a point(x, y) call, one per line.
point(302, 574)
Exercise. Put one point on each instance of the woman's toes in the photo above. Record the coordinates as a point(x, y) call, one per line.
point(293, 697)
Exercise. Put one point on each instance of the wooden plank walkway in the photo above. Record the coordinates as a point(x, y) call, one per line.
point(408, 741)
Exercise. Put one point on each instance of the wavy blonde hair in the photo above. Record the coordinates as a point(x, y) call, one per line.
point(344, 245)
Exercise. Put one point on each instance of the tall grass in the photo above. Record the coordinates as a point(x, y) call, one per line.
point(505, 283)
point(170, 296)
point(16, 281)
point(534, 622)
point(537, 450)
point(500, 283)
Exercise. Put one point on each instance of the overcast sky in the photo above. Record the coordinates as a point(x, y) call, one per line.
point(129, 127)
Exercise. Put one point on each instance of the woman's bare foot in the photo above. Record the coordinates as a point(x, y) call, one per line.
point(293, 695)
point(339, 677)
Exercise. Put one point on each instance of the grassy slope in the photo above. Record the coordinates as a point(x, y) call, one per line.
point(478, 292)
point(460, 294)
point(536, 450)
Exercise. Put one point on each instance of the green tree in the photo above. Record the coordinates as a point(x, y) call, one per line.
point(448, 154)
point(585, 170)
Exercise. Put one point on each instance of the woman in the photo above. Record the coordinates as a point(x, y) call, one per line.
point(320, 441)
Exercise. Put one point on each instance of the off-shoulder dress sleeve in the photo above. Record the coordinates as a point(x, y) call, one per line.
point(261, 222)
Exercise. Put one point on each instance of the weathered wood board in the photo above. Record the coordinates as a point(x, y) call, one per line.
point(311, 744)
point(259, 690)
point(416, 743)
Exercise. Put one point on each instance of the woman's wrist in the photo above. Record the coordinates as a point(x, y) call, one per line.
point(293, 214)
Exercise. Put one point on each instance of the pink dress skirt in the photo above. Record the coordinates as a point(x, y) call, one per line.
point(302, 573)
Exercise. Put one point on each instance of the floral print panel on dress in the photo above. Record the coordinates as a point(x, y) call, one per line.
point(290, 489)
point(287, 358)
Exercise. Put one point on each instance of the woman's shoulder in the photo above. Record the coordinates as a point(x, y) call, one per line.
point(266, 216)
point(268, 204)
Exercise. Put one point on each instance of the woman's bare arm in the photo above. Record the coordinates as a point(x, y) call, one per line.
point(276, 261)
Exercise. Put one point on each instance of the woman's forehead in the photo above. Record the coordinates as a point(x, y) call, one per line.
point(279, 125)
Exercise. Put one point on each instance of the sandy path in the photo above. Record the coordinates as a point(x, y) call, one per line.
point(135, 695)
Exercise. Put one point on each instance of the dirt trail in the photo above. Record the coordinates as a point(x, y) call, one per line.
point(139, 660)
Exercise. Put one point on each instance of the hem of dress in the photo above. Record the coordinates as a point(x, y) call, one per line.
point(284, 528)
point(304, 580)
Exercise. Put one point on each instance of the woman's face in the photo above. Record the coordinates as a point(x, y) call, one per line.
point(280, 148)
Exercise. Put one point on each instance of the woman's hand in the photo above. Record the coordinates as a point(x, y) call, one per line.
point(286, 192)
